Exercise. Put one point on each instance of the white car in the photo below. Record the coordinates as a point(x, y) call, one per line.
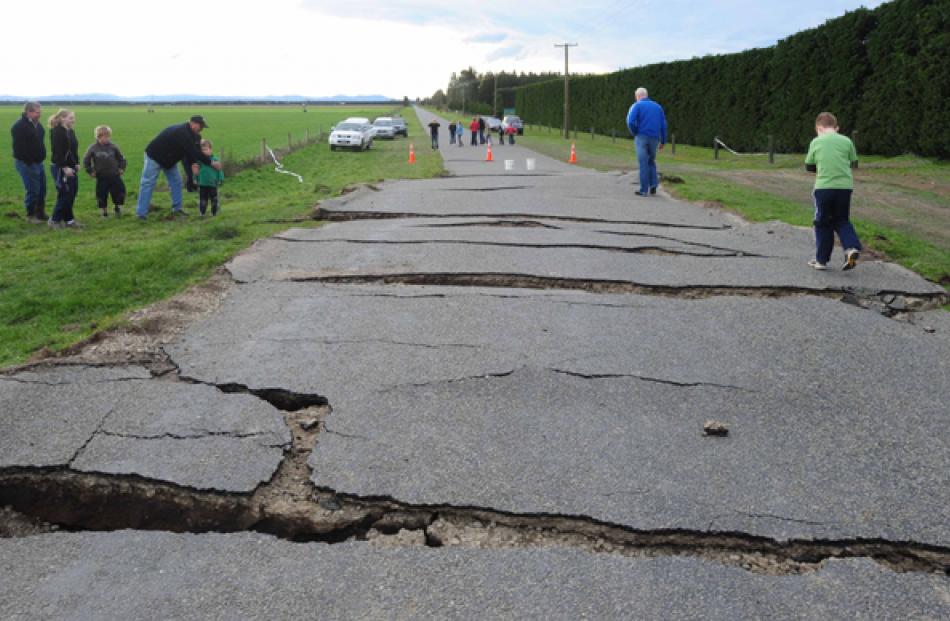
point(385, 127)
point(355, 135)
point(513, 121)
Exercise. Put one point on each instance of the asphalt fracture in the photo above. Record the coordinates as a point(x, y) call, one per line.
point(484, 396)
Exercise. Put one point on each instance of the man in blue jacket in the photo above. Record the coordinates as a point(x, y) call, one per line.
point(29, 151)
point(162, 155)
point(647, 124)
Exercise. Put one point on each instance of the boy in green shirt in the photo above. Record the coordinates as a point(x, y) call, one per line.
point(832, 156)
point(209, 180)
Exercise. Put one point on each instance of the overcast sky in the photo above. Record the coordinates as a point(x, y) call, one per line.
point(393, 47)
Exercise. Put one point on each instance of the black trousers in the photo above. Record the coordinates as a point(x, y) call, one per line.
point(207, 193)
point(110, 186)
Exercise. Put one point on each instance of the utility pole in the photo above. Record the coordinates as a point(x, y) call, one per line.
point(567, 90)
point(494, 100)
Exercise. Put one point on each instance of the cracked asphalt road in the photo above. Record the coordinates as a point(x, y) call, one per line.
point(541, 351)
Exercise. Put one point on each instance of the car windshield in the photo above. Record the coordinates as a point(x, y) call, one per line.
point(383, 123)
point(348, 127)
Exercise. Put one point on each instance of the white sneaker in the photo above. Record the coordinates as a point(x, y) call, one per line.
point(851, 256)
point(818, 266)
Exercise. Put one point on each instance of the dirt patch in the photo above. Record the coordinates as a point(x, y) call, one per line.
point(140, 336)
point(15, 524)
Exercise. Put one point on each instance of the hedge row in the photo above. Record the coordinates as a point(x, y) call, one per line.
point(883, 72)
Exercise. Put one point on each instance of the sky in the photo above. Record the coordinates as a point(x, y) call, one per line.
point(395, 48)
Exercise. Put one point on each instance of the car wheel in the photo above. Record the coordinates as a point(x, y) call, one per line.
point(369, 145)
point(333, 147)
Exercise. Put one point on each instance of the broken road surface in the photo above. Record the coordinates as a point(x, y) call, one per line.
point(484, 396)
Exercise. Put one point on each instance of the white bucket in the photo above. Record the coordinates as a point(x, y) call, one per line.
point(529, 163)
point(509, 164)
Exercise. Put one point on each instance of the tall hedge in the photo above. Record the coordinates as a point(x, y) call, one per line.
point(883, 72)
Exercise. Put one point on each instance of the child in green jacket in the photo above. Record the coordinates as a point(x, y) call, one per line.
point(209, 180)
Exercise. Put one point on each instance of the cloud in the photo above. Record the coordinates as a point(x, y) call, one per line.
point(509, 51)
point(487, 38)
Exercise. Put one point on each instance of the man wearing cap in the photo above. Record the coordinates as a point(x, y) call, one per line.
point(171, 146)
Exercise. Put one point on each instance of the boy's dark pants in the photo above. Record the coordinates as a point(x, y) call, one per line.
point(110, 186)
point(832, 213)
point(208, 193)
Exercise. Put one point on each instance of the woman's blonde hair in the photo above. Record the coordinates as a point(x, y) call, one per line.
point(103, 130)
point(57, 119)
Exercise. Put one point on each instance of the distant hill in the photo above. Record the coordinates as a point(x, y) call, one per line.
point(189, 98)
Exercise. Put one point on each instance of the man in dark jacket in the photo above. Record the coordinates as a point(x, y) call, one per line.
point(162, 155)
point(29, 151)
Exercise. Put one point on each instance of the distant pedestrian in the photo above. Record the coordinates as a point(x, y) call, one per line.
point(104, 161)
point(481, 129)
point(29, 152)
point(64, 166)
point(501, 134)
point(209, 180)
point(459, 133)
point(434, 132)
point(511, 131)
point(170, 146)
point(473, 127)
point(452, 132)
point(832, 156)
point(647, 123)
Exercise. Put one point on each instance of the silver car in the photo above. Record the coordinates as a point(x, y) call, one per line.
point(385, 127)
point(354, 135)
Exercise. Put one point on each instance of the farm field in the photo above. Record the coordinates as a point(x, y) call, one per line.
point(59, 286)
point(901, 205)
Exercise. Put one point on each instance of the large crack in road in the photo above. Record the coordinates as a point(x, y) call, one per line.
point(289, 506)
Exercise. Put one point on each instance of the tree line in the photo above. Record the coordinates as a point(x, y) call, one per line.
point(484, 93)
point(884, 72)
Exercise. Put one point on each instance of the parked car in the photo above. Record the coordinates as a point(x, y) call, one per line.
point(492, 123)
point(401, 126)
point(513, 121)
point(351, 134)
point(385, 128)
point(362, 120)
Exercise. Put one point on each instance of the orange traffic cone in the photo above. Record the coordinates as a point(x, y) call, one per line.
point(488, 157)
point(573, 159)
point(412, 154)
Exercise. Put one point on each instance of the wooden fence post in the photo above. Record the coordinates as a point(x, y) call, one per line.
point(263, 149)
point(591, 133)
point(771, 150)
point(673, 143)
point(854, 140)
point(613, 135)
point(716, 148)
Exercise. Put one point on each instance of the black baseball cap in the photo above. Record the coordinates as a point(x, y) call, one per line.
point(200, 120)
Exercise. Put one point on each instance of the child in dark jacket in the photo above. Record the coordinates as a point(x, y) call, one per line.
point(104, 161)
point(209, 180)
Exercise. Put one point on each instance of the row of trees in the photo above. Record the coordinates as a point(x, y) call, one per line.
point(884, 72)
point(484, 93)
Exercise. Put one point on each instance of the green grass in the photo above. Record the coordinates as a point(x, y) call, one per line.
point(58, 287)
point(708, 180)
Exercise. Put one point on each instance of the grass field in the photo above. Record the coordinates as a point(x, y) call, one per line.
point(59, 286)
point(901, 205)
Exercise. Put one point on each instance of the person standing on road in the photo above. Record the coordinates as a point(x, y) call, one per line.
point(162, 155)
point(459, 132)
point(434, 132)
point(452, 132)
point(647, 123)
point(64, 166)
point(29, 152)
point(473, 127)
point(481, 129)
point(832, 156)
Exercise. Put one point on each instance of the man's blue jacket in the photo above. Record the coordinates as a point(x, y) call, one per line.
point(646, 118)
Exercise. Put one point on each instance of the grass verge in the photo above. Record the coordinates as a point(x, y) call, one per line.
point(58, 287)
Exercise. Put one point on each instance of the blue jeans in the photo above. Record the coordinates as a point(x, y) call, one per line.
point(646, 160)
point(832, 215)
point(34, 182)
point(149, 177)
point(66, 190)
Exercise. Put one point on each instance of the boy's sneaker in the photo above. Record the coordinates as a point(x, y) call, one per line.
point(105, 212)
point(818, 266)
point(653, 190)
point(55, 224)
point(851, 256)
point(118, 211)
point(74, 225)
